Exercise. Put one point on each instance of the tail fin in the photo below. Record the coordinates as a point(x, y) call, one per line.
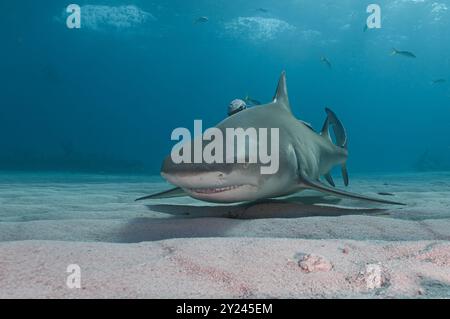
point(340, 135)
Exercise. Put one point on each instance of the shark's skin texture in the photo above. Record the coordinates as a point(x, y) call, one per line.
point(304, 156)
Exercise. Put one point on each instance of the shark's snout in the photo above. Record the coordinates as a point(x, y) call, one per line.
point(193, 174)
point(210, 182)
point(195, 179)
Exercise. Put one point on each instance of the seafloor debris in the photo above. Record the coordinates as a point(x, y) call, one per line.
point(314, 263)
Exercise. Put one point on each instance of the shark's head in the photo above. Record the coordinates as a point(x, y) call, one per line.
point(215, 182)
point(236, 178)
point(231, 182)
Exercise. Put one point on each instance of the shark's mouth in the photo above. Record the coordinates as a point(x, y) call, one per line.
point(207, 191)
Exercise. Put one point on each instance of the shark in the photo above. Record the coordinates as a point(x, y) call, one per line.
point(305, 156)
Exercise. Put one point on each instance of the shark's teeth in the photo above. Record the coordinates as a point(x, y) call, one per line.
point(214, 190)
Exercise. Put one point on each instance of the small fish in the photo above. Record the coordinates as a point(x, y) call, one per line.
point(201, 20)
point(438, 81)
point(326, 62)
point(251, 101)
point(263, 10)
point(403, 53)
point(365, 28)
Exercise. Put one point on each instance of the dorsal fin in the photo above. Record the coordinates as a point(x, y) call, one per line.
point(281, 95)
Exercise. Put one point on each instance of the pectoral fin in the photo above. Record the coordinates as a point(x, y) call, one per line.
point(171, 193)
point(318, 186)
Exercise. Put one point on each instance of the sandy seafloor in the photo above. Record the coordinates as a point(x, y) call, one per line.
point(307, 246)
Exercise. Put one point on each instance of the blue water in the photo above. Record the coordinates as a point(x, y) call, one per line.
point(106, 97)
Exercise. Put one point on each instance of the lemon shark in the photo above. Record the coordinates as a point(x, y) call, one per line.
point(304, 157)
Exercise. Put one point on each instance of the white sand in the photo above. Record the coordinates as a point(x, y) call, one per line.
point(232, 268)
point(127, 249)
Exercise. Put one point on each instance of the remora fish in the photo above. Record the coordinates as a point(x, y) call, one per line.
point(403, 53)
point(249, 100)
point(304, 157)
